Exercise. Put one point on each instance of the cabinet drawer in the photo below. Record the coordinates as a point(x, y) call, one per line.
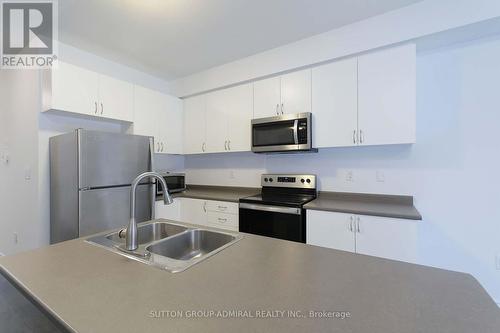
point(222, 220)
point(222, 207)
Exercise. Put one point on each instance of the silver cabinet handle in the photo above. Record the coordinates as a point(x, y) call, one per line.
point(205, 206)
point(358, 229)
point(102, 108)
point(350, 225)
point(277, 109)
point(221, 219)
point(361, 138)
point(221, 207)
point(162, 146)
point(354, 136)
point(203, 147)
point(282, 108)
point(158, 147)
point(95, 107)
point(225, 145)
point(228, 144)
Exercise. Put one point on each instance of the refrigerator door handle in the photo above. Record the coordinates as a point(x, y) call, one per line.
point(151, 166)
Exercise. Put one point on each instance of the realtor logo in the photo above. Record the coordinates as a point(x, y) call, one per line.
point(28, 34)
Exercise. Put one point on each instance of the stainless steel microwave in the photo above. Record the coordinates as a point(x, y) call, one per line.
point(176, 182)
point(285, 133)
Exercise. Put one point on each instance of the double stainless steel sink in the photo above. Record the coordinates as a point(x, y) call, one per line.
point(168, 245)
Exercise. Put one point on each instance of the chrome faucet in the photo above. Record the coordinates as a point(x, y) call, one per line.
point(131, 243)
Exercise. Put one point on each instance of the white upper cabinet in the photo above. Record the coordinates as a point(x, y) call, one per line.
point(116, 99)
point(238, 116)
point(170, 126)
point(70, 88)
point(286, 94)
point(73, 89)
point(158, 115)
point(216, 121)
point(219, 121)
point(267, 97)
point(335, 104)
point(332, 230)
point(195, 125)
point(387, 238)
point(296, 92)
point(387, 102)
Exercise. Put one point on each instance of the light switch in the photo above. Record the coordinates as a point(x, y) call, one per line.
point(27, 173)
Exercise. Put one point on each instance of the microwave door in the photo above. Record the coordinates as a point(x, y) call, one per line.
point(277, 136)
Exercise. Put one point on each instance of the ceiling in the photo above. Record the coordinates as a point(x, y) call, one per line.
point(175, 38)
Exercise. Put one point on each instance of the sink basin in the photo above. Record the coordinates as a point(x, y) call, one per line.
point(169, 246)
point(151, 232)
point(191, 244)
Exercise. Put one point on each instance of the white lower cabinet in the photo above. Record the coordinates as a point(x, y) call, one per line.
point(371, 235)
point(387, 238)
point(217, 214)
point(330, 230)
point(169, 212)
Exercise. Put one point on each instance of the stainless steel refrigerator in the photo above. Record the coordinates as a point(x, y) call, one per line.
point(90, 177)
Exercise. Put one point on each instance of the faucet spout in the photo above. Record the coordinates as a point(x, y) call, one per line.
point(131, 242)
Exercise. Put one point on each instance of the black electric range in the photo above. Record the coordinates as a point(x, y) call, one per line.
point(278, 210)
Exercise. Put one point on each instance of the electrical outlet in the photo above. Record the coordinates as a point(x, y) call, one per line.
point(349, 176)
point(497, 262)
point(380, 176)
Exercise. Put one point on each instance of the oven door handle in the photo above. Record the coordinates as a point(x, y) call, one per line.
point(273, 209)
point(296, 131)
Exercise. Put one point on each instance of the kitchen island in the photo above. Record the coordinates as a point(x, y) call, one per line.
point(258, 284)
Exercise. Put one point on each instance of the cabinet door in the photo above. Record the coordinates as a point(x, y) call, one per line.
point(169, 212)
point(194, 211)
point(146, 104)
point(267, 98)
point(387, 103)
point(194, 124)
point(239, 115)
point(387, 238)
point(216, 115)
point(296, 92)
point(116, 99)
point(72, 89)
point(335, 104)
point(171, 128)
point(329, 229)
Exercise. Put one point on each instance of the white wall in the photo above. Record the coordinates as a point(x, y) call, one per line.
point(25, 133)
point(19, 98)
point(452, 170)
point(415, 21)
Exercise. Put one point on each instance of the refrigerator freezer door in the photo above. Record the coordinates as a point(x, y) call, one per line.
point(109, 208)
point(110, 159)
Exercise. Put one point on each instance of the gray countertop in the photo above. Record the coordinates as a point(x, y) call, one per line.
point(93, 290)
point(220, 193)
point(397, 206)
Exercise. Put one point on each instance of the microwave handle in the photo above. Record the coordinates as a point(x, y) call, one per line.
point(296, 131)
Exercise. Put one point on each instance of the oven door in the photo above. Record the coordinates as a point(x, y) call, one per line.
point(273, 221)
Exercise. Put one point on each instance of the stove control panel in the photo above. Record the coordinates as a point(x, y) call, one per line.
point(294, 181)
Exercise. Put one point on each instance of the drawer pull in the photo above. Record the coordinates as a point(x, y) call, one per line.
point(221, 219)
point(222, 207)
